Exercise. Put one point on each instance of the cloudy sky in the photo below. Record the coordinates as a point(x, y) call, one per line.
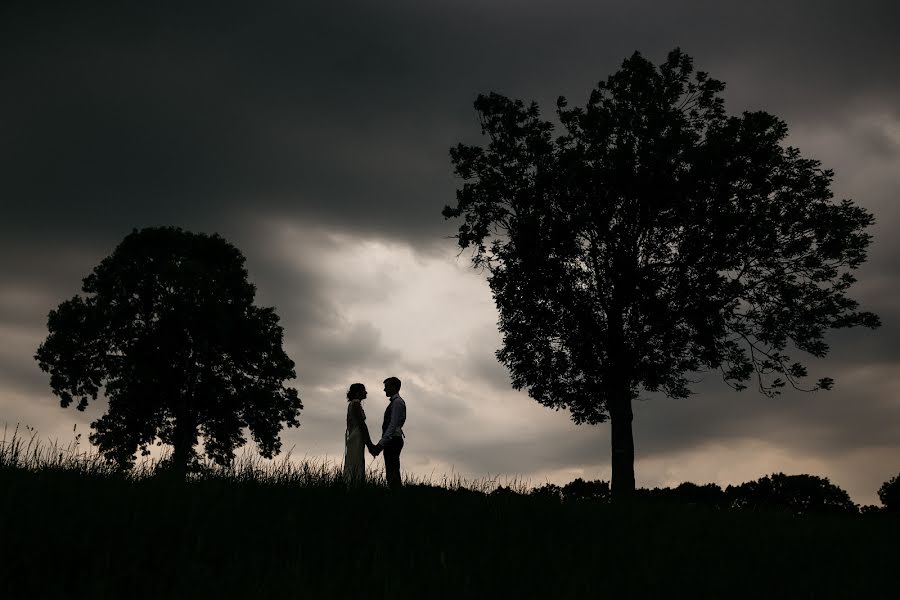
point(315, 137)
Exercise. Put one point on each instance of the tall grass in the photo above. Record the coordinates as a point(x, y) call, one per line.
point(23, 450)
point(72, 526)
point(20, 448)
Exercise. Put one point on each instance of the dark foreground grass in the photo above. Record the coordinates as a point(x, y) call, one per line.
point(71, 528)
point(71, 535)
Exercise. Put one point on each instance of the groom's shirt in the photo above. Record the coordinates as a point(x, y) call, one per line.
point(394, 419)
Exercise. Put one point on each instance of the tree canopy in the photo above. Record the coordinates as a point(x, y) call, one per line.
point(800, 494)
point(889, 494)
point(654, 236)
point(168, 330)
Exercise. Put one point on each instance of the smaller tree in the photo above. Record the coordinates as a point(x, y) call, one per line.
point(168, 328)
point(800, 494)
point(889, 494)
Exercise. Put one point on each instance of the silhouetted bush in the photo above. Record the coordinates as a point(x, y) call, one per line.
point(708, 494)
point(548, 491)
point(889, 494)
point(504, 492)
point(579, 489)
point(800, 494)
point(871, 509)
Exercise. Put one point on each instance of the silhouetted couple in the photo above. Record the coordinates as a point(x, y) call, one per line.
point(356, 438)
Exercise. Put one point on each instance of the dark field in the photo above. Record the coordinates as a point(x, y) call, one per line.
point(77, 533)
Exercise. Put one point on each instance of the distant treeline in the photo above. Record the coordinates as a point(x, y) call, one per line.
point(798, 494)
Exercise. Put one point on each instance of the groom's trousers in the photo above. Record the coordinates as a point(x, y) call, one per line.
point(392, 450)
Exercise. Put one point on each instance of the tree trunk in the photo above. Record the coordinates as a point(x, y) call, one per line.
point(183, 444)
point(621, 417)
point(619, 405)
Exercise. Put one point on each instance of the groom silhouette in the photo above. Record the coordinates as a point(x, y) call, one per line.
point(392, 432)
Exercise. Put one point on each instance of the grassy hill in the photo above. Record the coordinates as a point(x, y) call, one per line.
point(77, 530)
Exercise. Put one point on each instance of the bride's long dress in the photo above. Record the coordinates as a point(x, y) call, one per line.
point(354, 444)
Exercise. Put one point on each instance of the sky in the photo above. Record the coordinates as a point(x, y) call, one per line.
point(315, 137)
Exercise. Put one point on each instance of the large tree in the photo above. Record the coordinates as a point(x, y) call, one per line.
point(169, 328)
point(654, 237)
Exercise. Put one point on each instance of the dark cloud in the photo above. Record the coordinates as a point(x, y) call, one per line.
point(344, 114)
point(21, 374)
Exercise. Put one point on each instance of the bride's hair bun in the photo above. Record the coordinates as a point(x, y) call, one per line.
point(354, 390)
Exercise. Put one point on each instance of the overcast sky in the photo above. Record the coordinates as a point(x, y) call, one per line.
point(315, 135)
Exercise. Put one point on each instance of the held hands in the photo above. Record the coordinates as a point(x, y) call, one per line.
point(375, 449)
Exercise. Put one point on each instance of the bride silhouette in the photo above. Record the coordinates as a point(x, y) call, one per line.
point(356, 438)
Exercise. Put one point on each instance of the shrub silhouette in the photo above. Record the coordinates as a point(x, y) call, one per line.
point(871, 509)
point(799, 494)
point(580, 489)
point(889, 494)
point(708, 494)
point(549, 491)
